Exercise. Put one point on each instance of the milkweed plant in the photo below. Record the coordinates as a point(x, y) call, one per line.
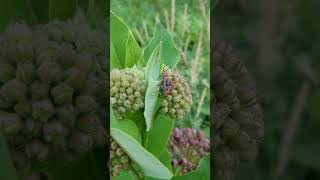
point(147, 95)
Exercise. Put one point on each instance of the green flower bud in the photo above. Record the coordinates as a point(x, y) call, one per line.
point(124, 159)
point(86, 104)
point(172, 112)
point(47, 55)
point(131, 98)
point(122, 90)
point(84, 63)
point(62, 94)
point(25, 73)
point(137, 94)
point(129, 91)
point(125, 84)
point(32, 128)
point(42, 110)
point(14, 91)
point(23, 109)
point(39, 90)
point(164, 103)
point(119, 152)
point(3, 103)
point(19, 33)
point(124, 94)
point(37, 150)
point(67, 57)
point(113, 100)
point(174, 92)
point(6, 71)
point(53, 130)
point(178, 102)
point(10, 124)
point(49, 72)
point(127, 103)
point(113, 90)
point(117, 84)
point(66, 115)
point(114, 145)
point(136, 107)
point(75, 78)
point(20, 52)
point(112, 154)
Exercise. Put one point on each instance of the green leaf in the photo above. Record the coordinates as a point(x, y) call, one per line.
point(165, 159)
point(153, 65)
point(125, 125)
point(126, 47)
point(119, 37)
point(39, 9)
point(152, 74)
point(13, 11)
point(7, 169)
point(151, 101)
point(114, 60)
point(169, 53)
point(207, 132)
point(133, 51)
point(61, 9)
point(138, 118)
point(202, 171)
point(159, 134)
point(150, 165)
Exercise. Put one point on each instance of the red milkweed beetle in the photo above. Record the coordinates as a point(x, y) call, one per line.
point(167, 84)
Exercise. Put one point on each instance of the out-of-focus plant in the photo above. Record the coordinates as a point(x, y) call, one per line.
point(47, 105)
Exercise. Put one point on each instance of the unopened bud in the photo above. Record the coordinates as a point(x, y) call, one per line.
point(37, 150)
point(14, 91)
point(25, 72)
point(62, 94)
point(42, 110)
point(86, 104)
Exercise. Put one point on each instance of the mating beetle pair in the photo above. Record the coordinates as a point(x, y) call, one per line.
point(166, 84)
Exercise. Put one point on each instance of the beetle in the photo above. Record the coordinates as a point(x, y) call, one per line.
point(167, 84)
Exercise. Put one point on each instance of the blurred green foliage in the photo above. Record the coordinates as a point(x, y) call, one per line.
point(34, 12)
point(43, 11)
point(279, 42)
point(191, 35)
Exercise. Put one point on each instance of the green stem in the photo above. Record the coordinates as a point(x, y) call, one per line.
point(146, 139)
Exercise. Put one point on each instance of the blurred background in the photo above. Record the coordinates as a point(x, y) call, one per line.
point(188, 22)
point(279, 42)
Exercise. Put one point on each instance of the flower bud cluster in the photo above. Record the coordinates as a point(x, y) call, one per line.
point(50, 91)
point(119, 160)
point(128, 88)
point(177, 103)
point(237, 117)
point(187, 147)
